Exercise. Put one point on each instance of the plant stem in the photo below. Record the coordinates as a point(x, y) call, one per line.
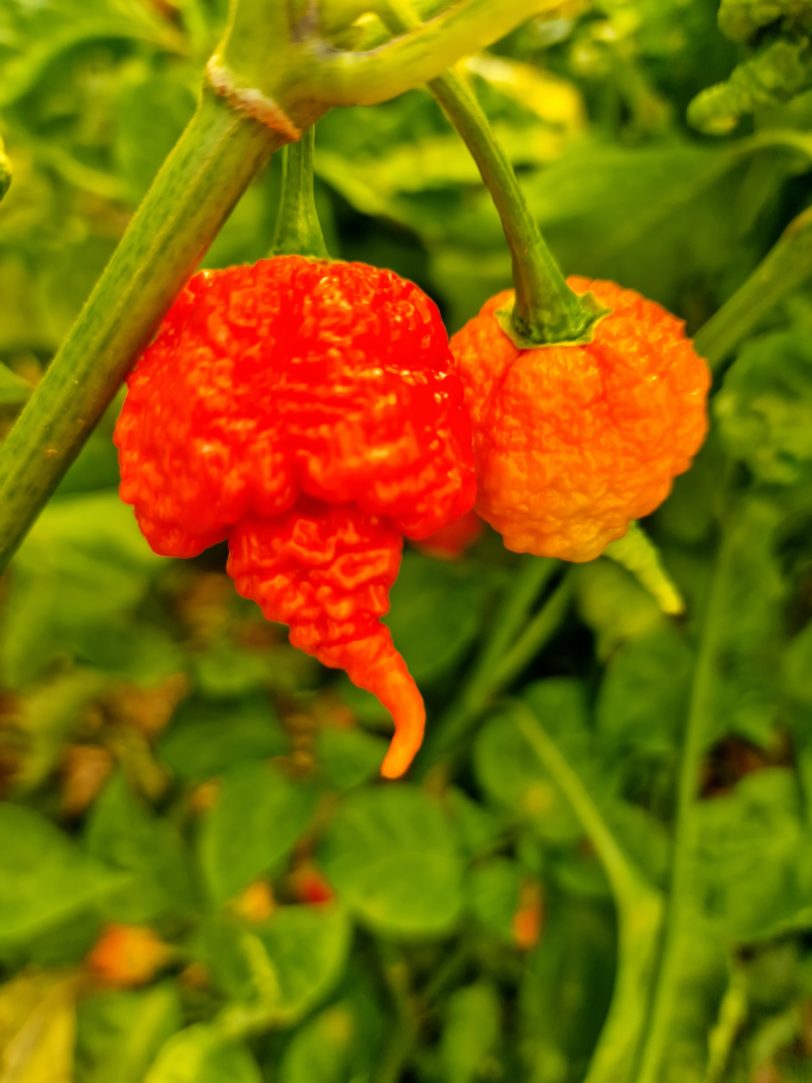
point(298, 231)
point(639, 907)
point(507, 651)
point(786, 266)
point(665, 986)
point(413, 58)
point(545, 310)
point(213, 162)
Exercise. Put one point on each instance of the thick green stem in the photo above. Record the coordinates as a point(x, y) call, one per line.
point(545, 310)
point(375, 75)
point(216, 157)
point(298, 231)
point(786, 267)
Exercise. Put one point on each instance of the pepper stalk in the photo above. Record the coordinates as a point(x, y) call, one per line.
point(545, 311)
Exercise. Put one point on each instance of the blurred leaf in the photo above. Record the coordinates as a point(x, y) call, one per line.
point(276, 972)
point(764, 404)
point(125, 833)
point(49, 714)
point(263, 808)
point(226, 671)
point(83, 564)
point(643, 697)
point(120, 1032)
point(348, 757)
point(44, 877)
point(435, 613)
point(471, 1032)
point(205, 739)
point(380, 844)
point(307, 947)
point(153, 109)
point(37, 1029)
point(552, 99)
point(742, 699)
point(509, 772)
point(200, 1054)
point(613, 604)
point(322, 1051)
point(492, 892)
point(755, 864)
point(13, 389)
point(32, 36)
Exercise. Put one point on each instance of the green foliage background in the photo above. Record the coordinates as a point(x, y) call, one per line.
point(167, 760)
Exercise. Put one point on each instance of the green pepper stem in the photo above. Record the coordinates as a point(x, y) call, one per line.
point(545, 310)
point(216, 157)
point(298, 230)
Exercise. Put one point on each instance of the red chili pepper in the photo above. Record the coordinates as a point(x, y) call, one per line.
point(308, 412)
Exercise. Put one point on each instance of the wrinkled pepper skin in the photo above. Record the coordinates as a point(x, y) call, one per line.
point(309, 413)
point(573, 442)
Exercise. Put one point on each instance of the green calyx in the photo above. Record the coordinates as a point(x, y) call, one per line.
point(570, 326)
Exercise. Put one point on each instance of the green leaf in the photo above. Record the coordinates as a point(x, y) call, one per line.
point(322, 1051)
point(275, 972)
point(381, 843)
point(613, 604)
point(44, 878)
point(435, 613)
point(510, 773)
point(492, 892)
point(307, 947)
point(764, 404)
point(206, 738)
point(49, 714)
point(33, 37)
point(83, 565)
point(642, 702)
point(119, 1033)
point(125, 833)
point(349, 757)
point(747, 626)
point(266, 811)
point(471, 1032)
point(13, 389)
point(37, 1028)
point(753, 849)
point(200, 1054)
